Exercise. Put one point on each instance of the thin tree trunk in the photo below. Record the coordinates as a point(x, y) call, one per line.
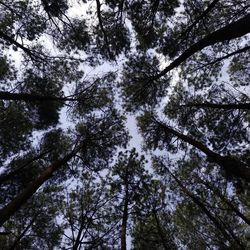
point(125, 213)
point(233, 30)
point(160, 231)
point(105, 37)
point(222, 58)
point(219, 106)
point(78, 242)
point(7, 211)
point(199, 18)
point(32, 97)
point(231, 165)
point(19, 45)
point(218, 223)
point(229, 203)
point(17, 240)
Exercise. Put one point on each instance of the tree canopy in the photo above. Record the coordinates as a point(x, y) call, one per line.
point(81, 81)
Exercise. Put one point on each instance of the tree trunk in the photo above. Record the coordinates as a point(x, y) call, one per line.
point(19, 45)
point(199, 18)
point(7, 211)
point(77, 242)
point(125, 213)
point(17, 240)
point(232, 166)
point(219, 106)
point(229, 32)
point(32, 97)
point(160, 231)
point(217, 222)
point(219, 59)
point(229, 203)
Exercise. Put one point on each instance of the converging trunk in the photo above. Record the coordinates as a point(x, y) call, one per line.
point(125, 213)
point(228, 233)
point(229, 203)
point(7, 211)
point(233, 30)
point(231, 166)
point(77, 242)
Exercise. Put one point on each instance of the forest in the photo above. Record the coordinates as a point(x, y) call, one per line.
point(124, 124)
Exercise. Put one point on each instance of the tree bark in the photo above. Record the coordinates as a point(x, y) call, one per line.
point(233, 30)
point(7, 211)
point(32, 97)
point(125, 212)
point(218, 105)
point(232, 166)
point(218, 223)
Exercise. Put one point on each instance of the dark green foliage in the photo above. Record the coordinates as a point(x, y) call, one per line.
point(76, 38)
point(138, 85)
point(55, 8)
point(149, 19)
point(56, 142)
point(94, 95)
point(147, 235)
point(9, 115)
point(102, 135)
point(70, 71)
point(38, 217)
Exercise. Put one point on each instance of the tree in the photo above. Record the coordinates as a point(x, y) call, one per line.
point(89, 153)
point(72, 72)
point(129, 183)
point(231, 165)
point(152, 227)
point(204, 206)
point(86, 214)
